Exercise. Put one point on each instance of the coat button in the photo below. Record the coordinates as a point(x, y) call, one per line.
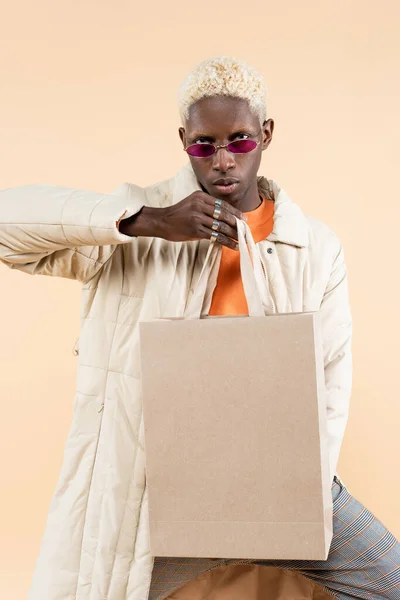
point(269, 250)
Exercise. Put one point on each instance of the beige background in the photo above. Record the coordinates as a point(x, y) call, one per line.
point(88, 92)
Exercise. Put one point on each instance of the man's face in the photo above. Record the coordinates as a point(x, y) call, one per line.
point(222, 120)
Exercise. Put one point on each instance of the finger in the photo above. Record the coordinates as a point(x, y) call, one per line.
point(221, 239)
point(221, 215)
point(227, 230)
point(225, 207)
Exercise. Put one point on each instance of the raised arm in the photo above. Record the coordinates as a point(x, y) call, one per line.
point(64, 232)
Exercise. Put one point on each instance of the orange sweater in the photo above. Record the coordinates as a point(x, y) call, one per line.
point(228, 297)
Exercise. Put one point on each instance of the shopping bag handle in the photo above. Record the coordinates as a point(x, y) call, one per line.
point(254, 282)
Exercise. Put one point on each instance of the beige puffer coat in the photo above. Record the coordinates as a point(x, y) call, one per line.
point(96, 542)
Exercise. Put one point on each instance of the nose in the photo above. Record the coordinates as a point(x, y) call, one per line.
point(223, 160)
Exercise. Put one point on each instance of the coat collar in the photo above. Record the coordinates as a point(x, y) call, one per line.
point(290, 224)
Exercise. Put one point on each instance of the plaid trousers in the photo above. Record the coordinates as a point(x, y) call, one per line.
point(363, 560)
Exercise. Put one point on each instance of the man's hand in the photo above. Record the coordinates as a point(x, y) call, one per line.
point(189, 219)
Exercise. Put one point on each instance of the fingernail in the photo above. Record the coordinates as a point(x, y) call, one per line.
point(244, 217)
point(237, 247)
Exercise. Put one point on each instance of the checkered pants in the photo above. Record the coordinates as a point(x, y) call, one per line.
point(363, 561)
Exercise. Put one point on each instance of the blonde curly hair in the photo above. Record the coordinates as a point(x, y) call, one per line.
point(223, 76)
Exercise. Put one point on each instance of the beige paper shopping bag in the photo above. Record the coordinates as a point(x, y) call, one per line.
point(235, 429)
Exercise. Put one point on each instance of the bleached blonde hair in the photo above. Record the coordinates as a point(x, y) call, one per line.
point(223, 76)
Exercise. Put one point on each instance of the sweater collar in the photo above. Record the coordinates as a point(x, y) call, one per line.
point(290, 224)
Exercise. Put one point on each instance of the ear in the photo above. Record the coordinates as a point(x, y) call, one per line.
point(182, 135)
point(268, 130)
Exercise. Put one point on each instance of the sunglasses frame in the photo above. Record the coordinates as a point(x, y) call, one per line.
point(217, 147)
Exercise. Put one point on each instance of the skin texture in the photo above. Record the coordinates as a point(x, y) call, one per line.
point(219, 120)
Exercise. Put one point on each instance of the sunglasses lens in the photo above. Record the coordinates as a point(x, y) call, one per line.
point(242, 146)
point(200, 150)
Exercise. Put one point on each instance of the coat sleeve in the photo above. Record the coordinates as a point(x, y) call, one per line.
point(64, 232)
point(336, 322)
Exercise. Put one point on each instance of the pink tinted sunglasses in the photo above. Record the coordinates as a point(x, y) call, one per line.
point(206, 150)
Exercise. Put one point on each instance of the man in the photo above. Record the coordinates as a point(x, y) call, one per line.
point(137, 253)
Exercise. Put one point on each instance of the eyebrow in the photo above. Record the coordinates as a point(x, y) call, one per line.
point(196, 135)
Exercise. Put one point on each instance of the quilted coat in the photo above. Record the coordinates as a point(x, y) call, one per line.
point(96, 540)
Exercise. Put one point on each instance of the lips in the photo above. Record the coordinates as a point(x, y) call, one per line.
point(226, 188)
point(227, 181)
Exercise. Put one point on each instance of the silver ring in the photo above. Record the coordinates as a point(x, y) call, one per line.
point(214, 237)
point(218, 203)
point(215, 226)
point(216, 213)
